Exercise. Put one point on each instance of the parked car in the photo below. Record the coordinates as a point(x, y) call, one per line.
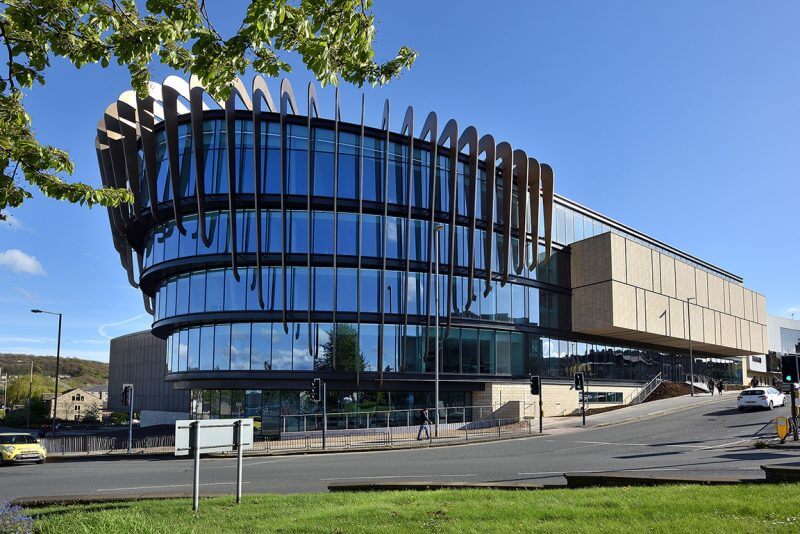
point(760, 398)
point(16, 448)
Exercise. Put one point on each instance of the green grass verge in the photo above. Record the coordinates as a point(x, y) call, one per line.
point(668, 509)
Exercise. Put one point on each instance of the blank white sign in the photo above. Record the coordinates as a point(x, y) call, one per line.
point(214, 435)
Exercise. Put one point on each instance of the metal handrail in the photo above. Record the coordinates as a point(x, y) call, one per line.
point(643, 392)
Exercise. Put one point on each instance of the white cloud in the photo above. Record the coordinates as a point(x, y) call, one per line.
point(19, 262)
point(103, 327)
point(30, 297)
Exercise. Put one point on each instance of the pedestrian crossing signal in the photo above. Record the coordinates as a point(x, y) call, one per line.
point(579, 381)
point(536, 385)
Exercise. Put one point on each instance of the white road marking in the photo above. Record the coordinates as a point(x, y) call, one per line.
point(171, 486)
point(395, 476)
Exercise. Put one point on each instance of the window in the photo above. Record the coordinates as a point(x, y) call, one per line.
point(206, 348)
point(260, 347)
point(347, 229)
point(603, 397)
point(222, 347)
point(240, 346)
point(348, 165)
point(197, 292)
point(368, 346)
point(370, 291)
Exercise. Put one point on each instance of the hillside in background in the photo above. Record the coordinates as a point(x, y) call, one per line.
point(73, 371)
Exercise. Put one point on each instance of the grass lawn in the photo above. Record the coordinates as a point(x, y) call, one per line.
point(669, 509)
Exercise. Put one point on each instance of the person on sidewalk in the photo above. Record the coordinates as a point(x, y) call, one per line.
point(424, 424)
point(711, 385)
point(721, 386)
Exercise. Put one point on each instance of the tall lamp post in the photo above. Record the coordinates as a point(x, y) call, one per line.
point(58, 366)
point(691, 357)
point(439, 228)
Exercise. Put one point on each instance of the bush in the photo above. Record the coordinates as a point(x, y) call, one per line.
point(13, 520)
point(118, 418)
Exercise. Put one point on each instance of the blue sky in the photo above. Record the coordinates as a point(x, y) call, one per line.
point(679, 119)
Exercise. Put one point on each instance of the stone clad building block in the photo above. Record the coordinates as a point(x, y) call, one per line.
point(622, 289)
point(624, 306)
point(639, 265)
point(709, 328)
point(657, 309)
point(668, 275)
point(701, 283)
point(684, 280)
point(656, 270)
point(716, 300)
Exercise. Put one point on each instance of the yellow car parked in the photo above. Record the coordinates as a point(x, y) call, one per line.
point(21, 448)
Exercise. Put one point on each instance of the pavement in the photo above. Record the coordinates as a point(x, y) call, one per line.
point(700, 437)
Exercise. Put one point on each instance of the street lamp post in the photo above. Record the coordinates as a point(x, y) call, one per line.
point(58, 366)
point(691, 357)
point(439, 228)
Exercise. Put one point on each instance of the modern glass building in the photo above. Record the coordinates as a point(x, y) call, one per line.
point(273, 246)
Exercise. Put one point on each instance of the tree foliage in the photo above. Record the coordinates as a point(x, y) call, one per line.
point(342, 349)
point(334, 39)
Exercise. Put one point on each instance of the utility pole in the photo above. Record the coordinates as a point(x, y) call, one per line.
point(30, 394)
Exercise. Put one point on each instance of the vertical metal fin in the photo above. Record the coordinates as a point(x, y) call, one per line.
point(430, 128)
point(505, 153)
point(146, 116)
point(450, 132)
point(197, 106)
point(408, 126)
point(170, 101)
point(547, 205)
point(469, 137)
point(487, 146)
point(287, 99)
point(382, 296)
point(126, 110)
point(260, 92)
point(312, 108)
point(521, 178)
point(534, 184)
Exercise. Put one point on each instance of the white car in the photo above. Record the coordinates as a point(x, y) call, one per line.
point(765, 397)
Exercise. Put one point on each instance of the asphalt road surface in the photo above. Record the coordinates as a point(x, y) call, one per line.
point(710, 440)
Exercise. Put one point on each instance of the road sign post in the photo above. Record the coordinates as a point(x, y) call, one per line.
point(324, 413)
point(213, 435)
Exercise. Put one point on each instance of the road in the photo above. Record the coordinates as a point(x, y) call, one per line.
point(710, 440)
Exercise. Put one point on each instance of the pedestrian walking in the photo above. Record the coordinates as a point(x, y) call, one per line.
point(775, 382)
point(754, 382)
point(711, 385)
point(424, 424)
point(720, 386)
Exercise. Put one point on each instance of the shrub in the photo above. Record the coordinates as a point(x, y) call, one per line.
point(13, 519)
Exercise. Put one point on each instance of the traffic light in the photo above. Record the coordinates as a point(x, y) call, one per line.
point(126, 394)
point(536, 385)
point(579, 381)
point(789, 369)
point(316, 389)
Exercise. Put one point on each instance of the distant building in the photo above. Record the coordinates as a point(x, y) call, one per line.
point(140, 359)
point(75, 404)
point(100, 391)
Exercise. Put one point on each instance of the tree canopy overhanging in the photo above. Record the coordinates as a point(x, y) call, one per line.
point(334, 39)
